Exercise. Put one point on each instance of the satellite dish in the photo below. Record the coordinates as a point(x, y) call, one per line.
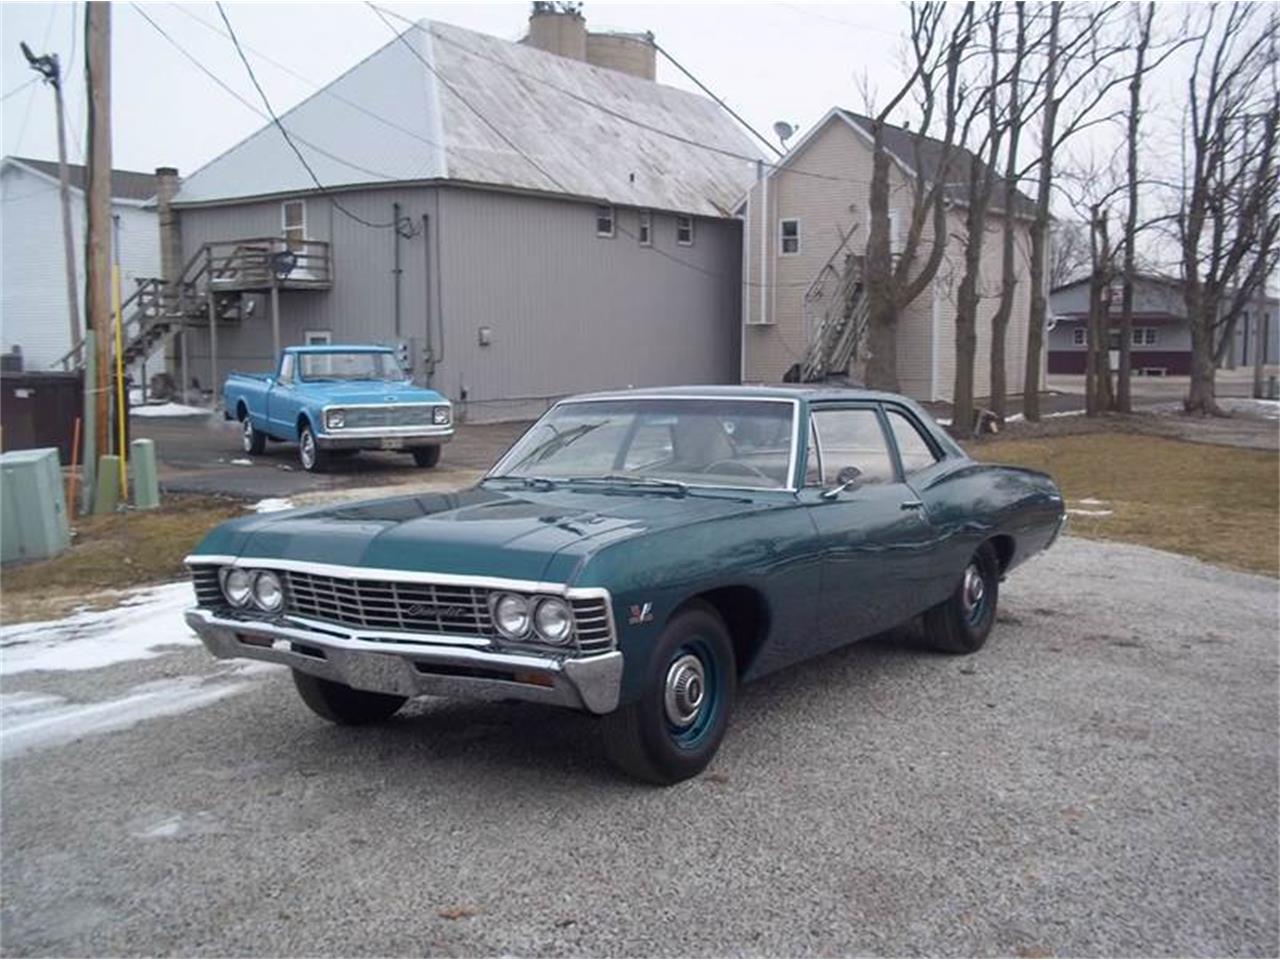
point(784, 131)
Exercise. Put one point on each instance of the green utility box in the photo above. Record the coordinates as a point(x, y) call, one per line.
point(33, 512)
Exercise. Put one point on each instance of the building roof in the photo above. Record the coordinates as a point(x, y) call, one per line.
point(901, 142)
point(125, 184)
point(391, 119)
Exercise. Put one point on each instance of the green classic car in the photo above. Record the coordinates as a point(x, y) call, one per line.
point(637, 555)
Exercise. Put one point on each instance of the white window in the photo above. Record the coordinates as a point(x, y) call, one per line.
point(293, 222)
point(645, 234)
point(788, 237)
point(604, 221)
point(317, 338)
point(1077, 336)
point(1149, 336)
point(895, 232)
point(684, 231)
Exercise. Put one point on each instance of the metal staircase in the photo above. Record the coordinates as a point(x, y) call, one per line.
point(841, 328)
point(211, 289)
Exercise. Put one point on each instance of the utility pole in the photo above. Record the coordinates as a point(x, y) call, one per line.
point(98, 207)
point(50, 69)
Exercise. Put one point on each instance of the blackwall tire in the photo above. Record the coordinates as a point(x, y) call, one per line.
point(962, 622)
point(338, 703)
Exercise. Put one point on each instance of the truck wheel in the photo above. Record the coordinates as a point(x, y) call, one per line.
point(962, 622)
point(251, 439)
point(313, 457)
point(426, 456)
point(338, 703)
point(672, 732)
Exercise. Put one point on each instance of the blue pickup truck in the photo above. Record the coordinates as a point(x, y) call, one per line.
point(334, 400)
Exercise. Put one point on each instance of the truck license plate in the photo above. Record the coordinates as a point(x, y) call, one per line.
point(392, 443)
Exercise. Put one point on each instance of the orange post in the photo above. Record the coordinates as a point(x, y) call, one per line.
point(75, 450)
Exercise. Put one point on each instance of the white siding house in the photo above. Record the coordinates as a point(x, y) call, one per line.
point(33, 289)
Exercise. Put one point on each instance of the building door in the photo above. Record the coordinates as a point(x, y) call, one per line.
point(293, 223)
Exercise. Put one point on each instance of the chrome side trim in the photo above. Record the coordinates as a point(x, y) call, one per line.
point(589, 683)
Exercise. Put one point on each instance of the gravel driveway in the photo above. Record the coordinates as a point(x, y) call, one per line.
point(1102, 779)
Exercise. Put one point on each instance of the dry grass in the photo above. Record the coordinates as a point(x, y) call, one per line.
point(111, 553)
point(1221, 504)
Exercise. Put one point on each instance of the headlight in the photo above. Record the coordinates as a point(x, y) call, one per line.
point(511, 615)
point(440, 415)
point(335, 419)
point(237, 585)
point(553, 620)
point(268, 592)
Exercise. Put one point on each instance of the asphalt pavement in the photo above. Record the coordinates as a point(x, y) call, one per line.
point(1100, 780)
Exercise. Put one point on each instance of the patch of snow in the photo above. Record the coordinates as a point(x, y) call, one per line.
point(54, 720)
point(1093, 502)
point(169, 410)
point(1065, 413)
point(271, 505)
point(178, 825)
point(242, 462)
point(1089, 513)
point(143, 622)
point(1251, 407)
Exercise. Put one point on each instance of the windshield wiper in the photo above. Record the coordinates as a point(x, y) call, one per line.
point(632, 481)
point(536, 483)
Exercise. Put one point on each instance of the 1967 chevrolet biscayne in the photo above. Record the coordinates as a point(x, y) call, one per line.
point(637, 555)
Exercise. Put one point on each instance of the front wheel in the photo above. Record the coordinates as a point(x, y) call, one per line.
point(313, 458)
point(962, 622)
point(675, 728)
point(341, 704)
point(426, 456)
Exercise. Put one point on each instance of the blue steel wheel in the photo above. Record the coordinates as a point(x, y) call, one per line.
point(672, 731)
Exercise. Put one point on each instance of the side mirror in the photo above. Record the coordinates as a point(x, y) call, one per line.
point(846, 478)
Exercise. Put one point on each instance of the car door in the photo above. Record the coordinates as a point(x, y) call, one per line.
point(875, 537)
point(283, 401)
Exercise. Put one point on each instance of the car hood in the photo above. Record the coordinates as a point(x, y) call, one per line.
point(475, 532)
point(369, 392)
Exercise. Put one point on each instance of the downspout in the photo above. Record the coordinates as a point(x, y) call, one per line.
point(764, 248)
point(395, 263)
point(428, 352)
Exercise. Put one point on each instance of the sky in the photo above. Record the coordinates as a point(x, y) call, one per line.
point(772, 62)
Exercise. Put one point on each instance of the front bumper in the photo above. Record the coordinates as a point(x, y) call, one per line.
point(411, 669)
point(370, 438)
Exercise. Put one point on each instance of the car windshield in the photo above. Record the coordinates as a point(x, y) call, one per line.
point(349, 365)
point(663, 440)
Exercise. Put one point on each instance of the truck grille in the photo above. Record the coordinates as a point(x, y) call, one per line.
point(408, 607)
point(409, 415)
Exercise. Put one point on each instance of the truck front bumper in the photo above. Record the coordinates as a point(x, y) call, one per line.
point(397, 438)
point(411, 669)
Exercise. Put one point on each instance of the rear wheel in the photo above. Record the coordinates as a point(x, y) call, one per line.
point(962, 622)
point(314, 459)
point(426, 456)
point(251, 438)
point(675, 728)
point(339, 703)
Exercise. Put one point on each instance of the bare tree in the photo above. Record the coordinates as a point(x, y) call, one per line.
point(1097, 390)
point(1068, 252)
point(1228, 220)
point(899, 270)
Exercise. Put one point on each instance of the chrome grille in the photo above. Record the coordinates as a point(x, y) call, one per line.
point(409, 607)
point(389, 605)
point(208, 590)
point(409, 415)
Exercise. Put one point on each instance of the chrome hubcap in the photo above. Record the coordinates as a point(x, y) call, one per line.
point(685, 691)
point(973, 590)
point(307, 448)
point(246, 433)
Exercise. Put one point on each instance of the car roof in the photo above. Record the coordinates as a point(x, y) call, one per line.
point(784, 391)
point(340, 348)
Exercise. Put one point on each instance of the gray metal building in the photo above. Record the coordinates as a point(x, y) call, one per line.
point(558, 226)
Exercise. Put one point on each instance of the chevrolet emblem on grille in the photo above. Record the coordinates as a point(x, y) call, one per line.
point(443, 613)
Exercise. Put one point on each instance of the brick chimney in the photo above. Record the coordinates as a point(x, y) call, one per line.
point(167, 183)
point(559, 28)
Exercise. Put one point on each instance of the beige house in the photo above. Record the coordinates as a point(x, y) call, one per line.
point(806, 214)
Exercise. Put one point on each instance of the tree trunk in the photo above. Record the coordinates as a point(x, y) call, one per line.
point(962, 407)
point(1201, 398)
point(882, 309)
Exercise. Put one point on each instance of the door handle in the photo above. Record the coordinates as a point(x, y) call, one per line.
point(911, 505)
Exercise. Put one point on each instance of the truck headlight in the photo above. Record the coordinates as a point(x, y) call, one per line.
point(335, 419)
point(440, 415)
point(553, 620)
point(511, 615)
point(237, 585)
point(268, 592)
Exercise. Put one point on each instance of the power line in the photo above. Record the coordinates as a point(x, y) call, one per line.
point(285, 133)
point(707, 90)
point(249, 106)
point(19, 88)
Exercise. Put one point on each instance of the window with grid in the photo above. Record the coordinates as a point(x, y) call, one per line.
point(788, 236)
point(684, 231)
point(645, 234)
point(604, 221)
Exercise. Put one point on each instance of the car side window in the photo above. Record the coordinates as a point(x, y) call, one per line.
point(913, 448)
point(650, 446)
point(812, 462)
point(853, 438)
point(286, 369)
